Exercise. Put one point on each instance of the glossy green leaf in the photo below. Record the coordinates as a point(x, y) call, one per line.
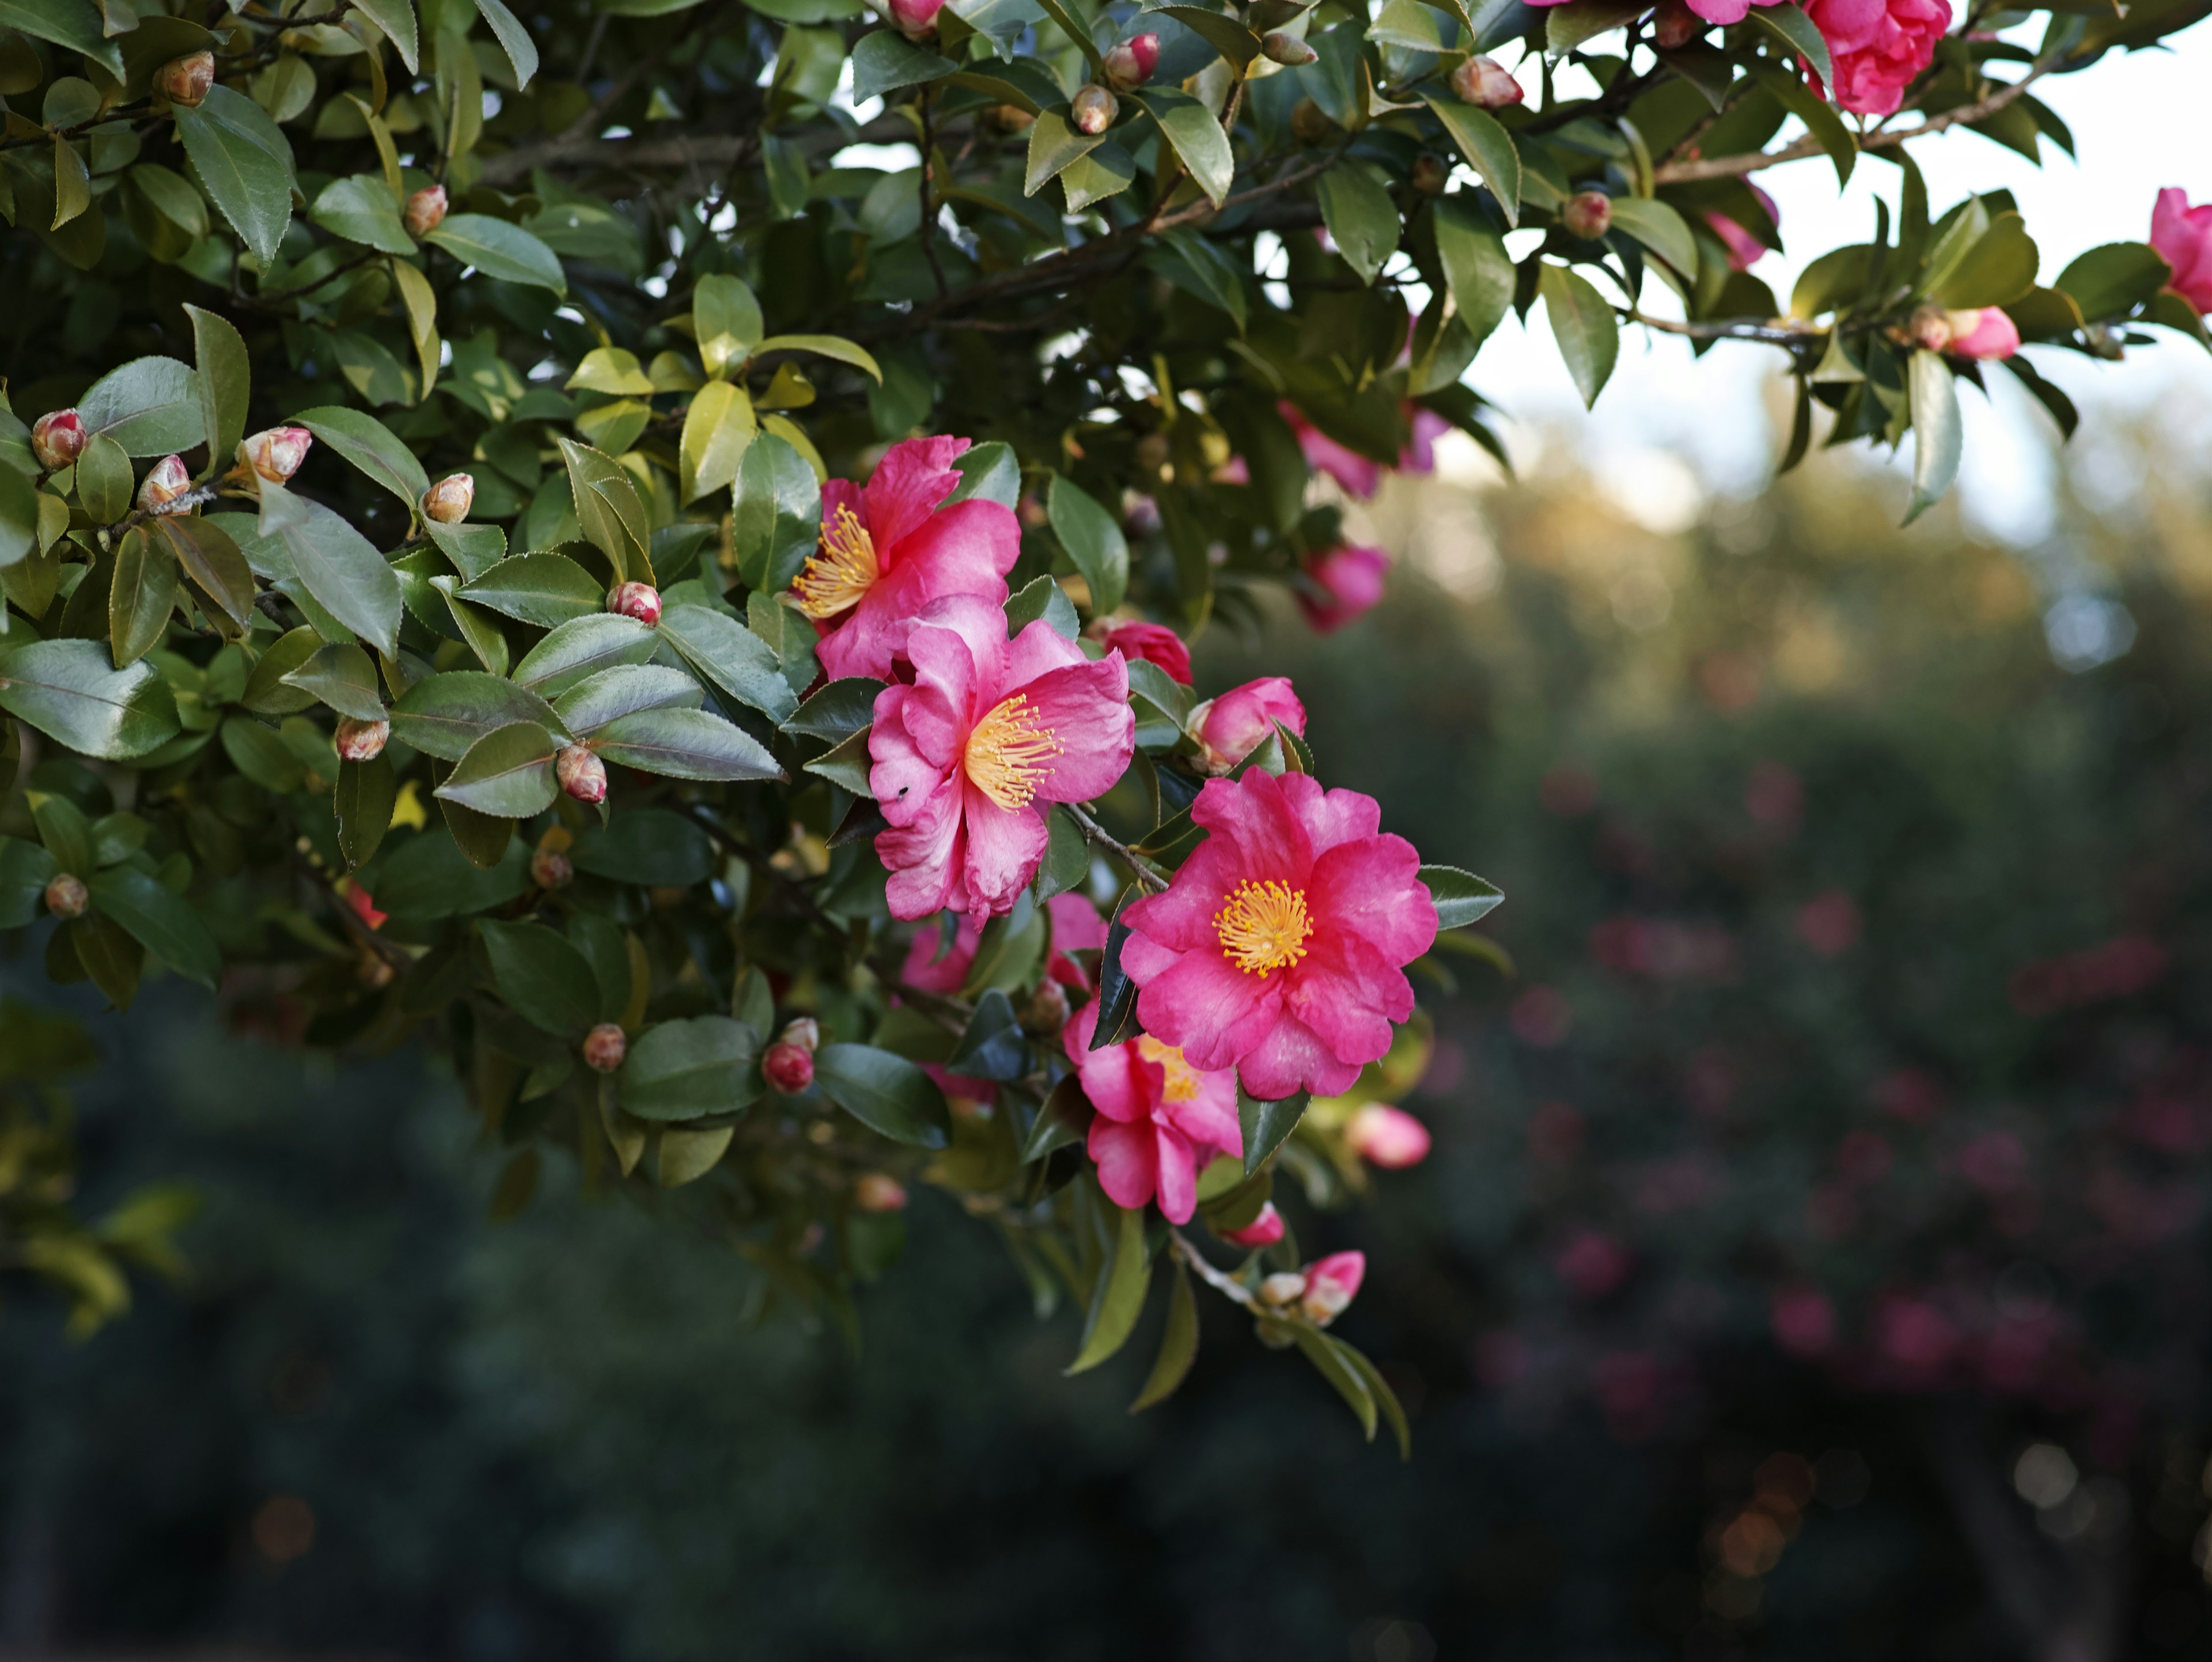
point(1488, 148)
point(514, 39)
point(777, 515)
point(2114, 279)
point(104, 480)
point(359, 209)
point(1198, 140)
point(427, 877)
point(1266, 1124)
point(1477, 269)
point(825, 346)
point(574, 650)
point(159, 919)
point(685, 744)
point(366, 794)
point(1800, 34)
point(142, 597)
point(1658, 228)
point(1998, 269)
point(683, 1070)
point(1361, 217)
point(624, 690)
point(1583, 324)
point(343, 571)
point(884, 60)
point(508, 774)
point(608, 509)
point(1460, 898)
point(245, 163)
point(730, 656)
point(717, 428)
point(544, 978)
point(653, 847)
point(1093, 540)
point(226, 381)
point(885, 1093)
point(71, 692)
point(1178, 1345)
point(1054, 146)
point(1118, 1298)
point(371, 446)
point(543, 589)
point(1322, 1351)
point(500, 250)
point(1937, 437)
point(444, 715)
point(1227, 36)
point(150, 406)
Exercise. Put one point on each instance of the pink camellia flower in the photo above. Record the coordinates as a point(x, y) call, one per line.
point(1156, 643)
point(1160, 1120)
point(1230, 728)
point(1725, 12)
point(1332, 1283)
point(915, 19)
point(889, 550)
point(1385, 1136)
point(990, 731)
point(933, 967)
point(1360, 476)
point(1278, 949)
point(1744, 249)
point(1352, 579)
point(1263, 1231)
point(1987, 333)
point(1076, 928)
point(1879, 46)
point(2183, 236)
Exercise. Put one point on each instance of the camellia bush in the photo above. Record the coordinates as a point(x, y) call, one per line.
point(653, 545)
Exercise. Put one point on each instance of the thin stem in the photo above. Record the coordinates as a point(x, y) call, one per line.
point(1148, 879)
point(1228, 1285)
point(1728, 329)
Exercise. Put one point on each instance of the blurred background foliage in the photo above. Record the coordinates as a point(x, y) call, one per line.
point(1811, 1263)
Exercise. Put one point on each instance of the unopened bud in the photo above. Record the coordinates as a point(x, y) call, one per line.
point(1385, 1136)
point(788, 1067)
point(805, 1032)
point(1331, 1284)
point(425, 210)
point(874, 1192)
point(1485, 83)
point(1588, 215)
point(186, 80)
point(1263, 1231)
point(67, 896)
point(1676, 24)
point(1287, 50)
point(549, 869)
point(1984, 331)
point(165, 481)
point(1045, 1013)
point(1931, 327)
point(581, 773)
point(1095, 109)
point(1310, 123)
point(1131, 63)
point(275, 452)
point(638, 600)
point(1286, 1286)
point(58, 438)
point(448, 500)
point(605, 1047)
point(360, 741)
point(1430, 175)
point(915, 19)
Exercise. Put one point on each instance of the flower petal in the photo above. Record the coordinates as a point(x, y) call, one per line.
point(904, 490)
point(1084, 706)
point(901, 776)
point(1005, 847)
point(1291, 1058)
point(1177, 1174)
point(1253, 813)
point(1330, 817)
point(966, 549)
point(1373, 888)
point(924, 856)
point(1182, 918)
point(1110, 1078)
point(1208, 1007)
point(1128, 1157)
point(1037, 649)
point(1209, 1119)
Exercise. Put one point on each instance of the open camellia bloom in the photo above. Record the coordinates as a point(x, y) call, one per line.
point(1879, 46)
point(967, 758)
point(890, 550)
point(1280, 948)
point(2183, 236)
point(1160, 1120)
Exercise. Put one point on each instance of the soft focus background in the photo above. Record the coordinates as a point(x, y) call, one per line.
point(1814, 1262)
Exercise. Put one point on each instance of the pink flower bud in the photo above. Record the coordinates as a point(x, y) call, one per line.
point(448, 500)
point(788, 1067)
point(1230, 728)
point(638, 600)
point(360, 741)
point(1350, 579)
point(874, 1192)
point(1287, 50)
point(425, 210)
point(186, 80)
point(67, 896)
point(549, 869)
point(59, 439)
point(2183, 237)
point(915, 19)
point(1385, 1136)
point(1093, 108)
point(1485, 83)
point(1156, 643)
point(275, 452)
point(1987, 333)
point(1263, 1231)
point(1588, 215)
point(605, 1047)
point(1131, 63)
point(1931, 327)
point(1675, 25)
point(1331, 1285)
point(581, 773)
point(1286, 1286)
point(165, 481)
point(805, 1032)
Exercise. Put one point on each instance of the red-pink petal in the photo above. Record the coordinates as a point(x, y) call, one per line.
point(1178, 1178)
point(924, 856)
point(1290, 1057)
point(1212, 1010)
point(1110, 1080)
point(1373, 888)
point(1209, 1119)
point(1076, 924)
point(1182, 918)
point(902, 776)
point(1005, 847)
point(1128, 1158)
point(1252, 814)
point(909, 483)
point(1038, 650)
point(1085, 707)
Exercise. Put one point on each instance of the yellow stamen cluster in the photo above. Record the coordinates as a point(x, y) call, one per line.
point(845, 570)
point(1263, 927)
point(1182, 1083)
point(1008, 752)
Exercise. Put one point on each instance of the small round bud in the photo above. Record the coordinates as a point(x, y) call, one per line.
point(1385, 1136)
point(1287, 50)
point(1429, 174)
point(1131, 63)
point(275, 452)
point(186, 80)
point(165, 481)
point(605, 1047)
point(1331, 1284)
point(67, 896)
point(448, 500)
point(581, 773)
point(638, 600)
point(1263, 1231)
point(360, 741)
point(1588, 215)
point(1676, 24)
point(425, 210)
point(1286, 1286)
point(874, 1192)
point(59, 439)
point(1045, 1013)
point(549, 869)
point(1931, 327)
point(1485, 83)
point(1095, 109)
point(788, 1067)
point(915, 19)
point(1310, 123)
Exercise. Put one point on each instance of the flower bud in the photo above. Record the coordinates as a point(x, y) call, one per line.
point(1131, 63)
point(1429, 174)
point(1045, 1013)
point(1588, 215)
point(186, 80)
point(1230, 728)
point(788, 1067)
point(1095, 109)
point(1485, 83)
point(805, 1032)
point(275, 452)
point(67, 896)
point(915, 19)
point(1279, 47)
point(1331, 1284)
point(1287, 1287)
point(1385, 1136)
point(1310, 123)
point(581, 773)
point(425, 210)
point(874, 1192)
point(360, 741)
point(165, 481)
point(1263, 1231)
point(1676, 24)
point(448, 500)
point(1931, 327)
point(550, 868)
point(1985, 331)
point(638, 600)
point(59, 439)
point(605, 1047)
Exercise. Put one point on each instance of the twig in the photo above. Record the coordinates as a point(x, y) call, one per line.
point(1228, 1285)
point(1728, 329)
point(1147, 879)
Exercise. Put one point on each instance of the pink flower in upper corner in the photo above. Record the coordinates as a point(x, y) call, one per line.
point(1233, 726)
point(1385, 1136)
point(1263, 1231)
point(1879, 46)
point(1160, 1120)
point(889, 550)
point(1745, 250)
point(915, 19)
point(1156, 643)
point(2183, 236)
point(1332, 1283)
point(968, 756)
point(1986, 334)
point(1076, 928)
point(1352, 580)
point(1725, 12)
point(1280, 948)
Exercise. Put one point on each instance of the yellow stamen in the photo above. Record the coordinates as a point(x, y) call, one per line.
point(1008, 752)
point(842, 572)
point(1263, 927)
point(1182, 1084)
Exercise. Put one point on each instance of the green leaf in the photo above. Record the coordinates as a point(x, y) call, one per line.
point(1477, 269)
point(1488, 150)
point(1064, 1121)
point(343, 571)
point(727, 318)
point(1040, 597)
point(685, 744)
point(777, 516)
point(825, 346)
point(1798, 32)
point(990, 471)
point(612, 518)
point(543, 589)
point(1117, 994)
point(1197, 138)
point(397, 19)
point(1821, 118)
point(500, 250)
point(1583, 324)
point(70, 692)
point(1659, 228)
point(1937, 437)
point(371, 447)
point(360, 209)
point(444, 715)
point(69, 23)
point(24, 870)
point(1321, 1351)
point(19, 516)
point(226, 381)
point(1997, 269)
point(1092, 540)
point(1461, 897)
point(1219, 31)
point(159, 919)
point(624, 690)
point(887, 1093)
point(1178, 1345)
point(104, 480)
point(2114, 279)
point(718, 430)
point(731, 656)
point(611, 370)
point(1067, 861)
point(544, 978)
point(1107, 171)
point(1118, 1298)
point(366, 792)
point(1568, 26)
point(514, 39)
point(66, 833)
point(141, 598)
point(244, 160)
point(427, 877)
point(1266, 1124)
point(1378, 1388)
point(1054, 146)
point(150, 406)
point(839, 710)
point(508, 774)
point(583, 648)
point(991, 1047)
point(1405, 23)
point(886, 60)
point(210, 559)
point(1360, 215)
point(681, 1070)
point(652, 846)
